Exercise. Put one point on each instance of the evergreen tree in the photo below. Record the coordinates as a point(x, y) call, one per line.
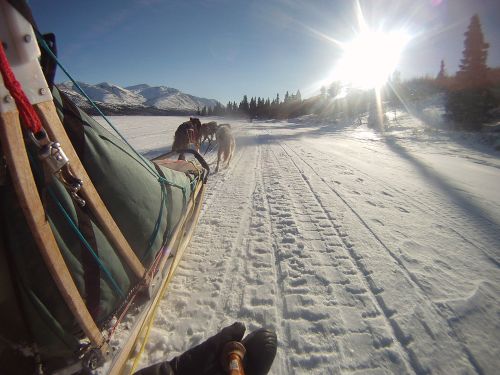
point(473, 69)
point(204, 111)
point(252, 108)
point(442, 72)
point(468, 104)
point(244, 106)
point(267, 108)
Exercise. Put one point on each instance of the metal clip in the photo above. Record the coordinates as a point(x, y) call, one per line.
point(72, 183)
point(52, 154)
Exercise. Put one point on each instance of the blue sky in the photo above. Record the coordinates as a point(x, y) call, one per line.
point(223, 49)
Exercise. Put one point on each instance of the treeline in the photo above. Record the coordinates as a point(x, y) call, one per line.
point(259, 108)
point(470, 95)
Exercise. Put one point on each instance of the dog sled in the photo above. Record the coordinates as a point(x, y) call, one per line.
point(91, 233)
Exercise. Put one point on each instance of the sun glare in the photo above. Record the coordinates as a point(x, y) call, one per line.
point(370, 59)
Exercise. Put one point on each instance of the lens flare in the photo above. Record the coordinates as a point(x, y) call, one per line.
point(370, 59)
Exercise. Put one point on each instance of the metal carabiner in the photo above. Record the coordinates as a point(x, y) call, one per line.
point(54, 157)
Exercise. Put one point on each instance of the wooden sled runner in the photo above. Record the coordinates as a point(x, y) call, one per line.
point(89, 230)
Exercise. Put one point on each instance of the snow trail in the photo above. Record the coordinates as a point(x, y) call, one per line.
point(366, 253)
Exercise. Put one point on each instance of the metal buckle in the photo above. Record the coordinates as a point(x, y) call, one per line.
point(52, 154)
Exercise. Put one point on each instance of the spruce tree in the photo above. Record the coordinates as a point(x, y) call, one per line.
point(468, 104)
point(473, 69)
point(442, 72)
point(252, 107)
point(244, 107)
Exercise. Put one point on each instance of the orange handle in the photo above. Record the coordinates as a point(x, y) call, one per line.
point(232, 358)
point(235, 366)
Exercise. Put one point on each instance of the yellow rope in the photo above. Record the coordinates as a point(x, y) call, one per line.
point(151, 321)
point(150, 324)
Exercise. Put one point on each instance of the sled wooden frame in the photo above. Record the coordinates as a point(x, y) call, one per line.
point(168, 265)
point(13, 146)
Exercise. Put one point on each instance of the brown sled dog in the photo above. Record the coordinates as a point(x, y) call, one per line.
point(225, 143)
point(187, 133)
point(208, 131)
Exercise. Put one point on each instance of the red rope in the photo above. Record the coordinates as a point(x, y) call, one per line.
point(26, 110)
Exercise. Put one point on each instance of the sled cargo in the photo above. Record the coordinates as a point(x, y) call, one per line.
point(84, 243)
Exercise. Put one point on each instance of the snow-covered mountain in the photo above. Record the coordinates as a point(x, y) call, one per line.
point(137, 97)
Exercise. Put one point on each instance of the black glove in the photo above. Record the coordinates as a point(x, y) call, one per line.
point(261, 346)
point(204, 359)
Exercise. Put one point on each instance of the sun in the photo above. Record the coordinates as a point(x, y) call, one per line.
point(370, 59)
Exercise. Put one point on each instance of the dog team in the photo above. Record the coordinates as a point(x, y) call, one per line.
point(195, 133)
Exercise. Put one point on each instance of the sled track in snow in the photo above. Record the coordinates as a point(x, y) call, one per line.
point(417, 203)
point(261, 264)
point(365, 224)
point(357, 260)
point(351, 292)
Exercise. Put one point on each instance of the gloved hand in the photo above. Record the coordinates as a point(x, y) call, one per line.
point(261, 346)
point(204, 359)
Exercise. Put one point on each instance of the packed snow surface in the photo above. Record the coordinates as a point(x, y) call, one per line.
point(367, 252)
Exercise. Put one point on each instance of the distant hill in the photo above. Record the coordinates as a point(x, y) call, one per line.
point(138, 99)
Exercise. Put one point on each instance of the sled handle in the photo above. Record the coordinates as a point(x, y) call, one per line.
point(232, 358)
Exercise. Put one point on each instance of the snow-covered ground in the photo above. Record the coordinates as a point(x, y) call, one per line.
point(367, 253)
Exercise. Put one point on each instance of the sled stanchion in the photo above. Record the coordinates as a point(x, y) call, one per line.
point(54, 127)
point(12, 141)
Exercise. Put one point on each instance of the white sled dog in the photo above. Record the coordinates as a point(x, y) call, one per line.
point(225, 143)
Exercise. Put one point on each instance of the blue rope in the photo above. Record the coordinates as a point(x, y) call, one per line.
point(87, 245)
point(146, 165)
point(156, 229)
